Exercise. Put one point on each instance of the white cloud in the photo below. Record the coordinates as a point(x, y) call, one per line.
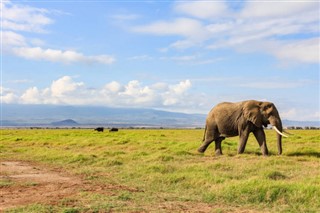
point(300, 114)
point(8, 96)
point(303, 51)
point(182, 44)
point(64, 86)
point(66, 90)
point(10, 38)
point(24, 18)
point(61, 91)
point(21, 18)
point(196, 59)
point(181, 26)
point(68, 56)
point(32, 96)
point(176, 96)
point(289, 114)
point(138, 94)
point(160, 86)
point(287, 30)
point(180, 88)
point(176, 93)
point(202, 9)
point(112, 87)
point(275, 9)
point(218, 28)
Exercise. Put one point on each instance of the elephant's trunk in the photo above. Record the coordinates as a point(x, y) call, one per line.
point(276, 123)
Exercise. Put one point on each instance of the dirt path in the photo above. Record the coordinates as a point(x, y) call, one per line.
point(25, 183)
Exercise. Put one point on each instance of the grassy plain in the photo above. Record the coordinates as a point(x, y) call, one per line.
point(161, 171)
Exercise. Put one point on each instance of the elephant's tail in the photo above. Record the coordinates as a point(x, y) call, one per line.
point(204, 134)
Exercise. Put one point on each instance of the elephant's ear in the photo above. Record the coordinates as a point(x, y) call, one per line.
point(251, 111)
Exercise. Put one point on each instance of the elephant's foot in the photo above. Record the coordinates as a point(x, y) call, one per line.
point(241, 149)
point(202, 149)
point(240, 152)
point(264, 151)
point(218, 153)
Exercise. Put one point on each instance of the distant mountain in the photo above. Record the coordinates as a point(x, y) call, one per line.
point(48, 115)
point(68, 122)
point(55, 115)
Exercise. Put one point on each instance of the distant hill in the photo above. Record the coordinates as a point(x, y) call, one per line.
point(68, 122)
point(48, 115)
point(56, 115)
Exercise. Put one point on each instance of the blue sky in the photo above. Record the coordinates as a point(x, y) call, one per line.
point(181, 56)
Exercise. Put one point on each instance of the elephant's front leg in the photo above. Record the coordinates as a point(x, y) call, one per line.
point(218, 150)
point(244, 134)
point(261, 138)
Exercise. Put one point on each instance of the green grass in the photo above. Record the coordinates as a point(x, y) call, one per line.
point(162, 166)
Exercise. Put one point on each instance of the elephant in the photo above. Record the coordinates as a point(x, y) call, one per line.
point(240, 119)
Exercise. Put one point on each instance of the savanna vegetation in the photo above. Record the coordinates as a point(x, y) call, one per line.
point(161, 171)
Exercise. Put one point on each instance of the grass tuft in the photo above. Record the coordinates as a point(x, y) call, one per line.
point(276, 175)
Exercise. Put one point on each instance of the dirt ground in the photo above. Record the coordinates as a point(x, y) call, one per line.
point(24, 183)
point(28, 183)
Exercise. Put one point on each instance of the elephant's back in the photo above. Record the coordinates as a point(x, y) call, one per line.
point(224, 116)
point(226, 107)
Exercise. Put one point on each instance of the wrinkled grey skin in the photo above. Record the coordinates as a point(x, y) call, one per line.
point(233, 119)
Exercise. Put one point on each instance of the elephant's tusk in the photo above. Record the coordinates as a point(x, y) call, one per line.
point(277, 130)
point(287, 132)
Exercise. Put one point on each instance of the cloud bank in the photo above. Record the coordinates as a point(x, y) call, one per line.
point(134, 94)
point(66, 90)
point(288, 30)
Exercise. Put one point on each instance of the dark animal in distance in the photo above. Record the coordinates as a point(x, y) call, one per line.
point(99, 129)
point(113, 129)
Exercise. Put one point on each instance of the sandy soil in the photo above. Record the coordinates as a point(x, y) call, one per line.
point(24, 183)
point(29, 183)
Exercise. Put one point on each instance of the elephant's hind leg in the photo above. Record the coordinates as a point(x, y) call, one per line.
point(208, 139)
point(204, 146)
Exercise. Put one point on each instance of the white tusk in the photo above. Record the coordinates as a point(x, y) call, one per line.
point(287, 132)
point(280, 133)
